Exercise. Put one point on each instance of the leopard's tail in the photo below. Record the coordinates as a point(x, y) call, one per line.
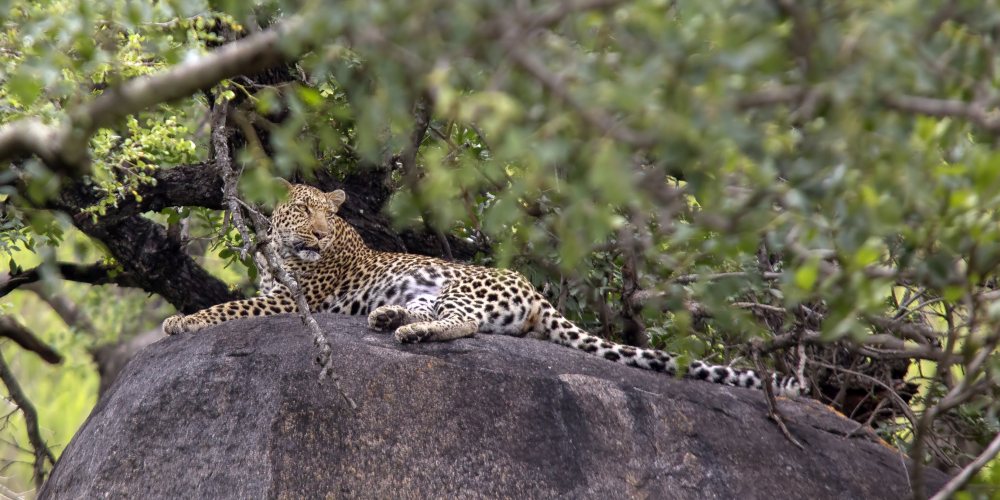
point(555, 327)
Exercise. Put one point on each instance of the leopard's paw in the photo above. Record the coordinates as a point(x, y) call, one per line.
point(387, 318)
point(174, 325)
point(411, 334)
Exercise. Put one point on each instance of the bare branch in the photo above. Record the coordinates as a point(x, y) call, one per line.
point(593, 116)
point(10, 328)
point(565, 9)
point(771, 96)
point(633, 328)
point(422, 120)
point(63, 306)
point(220, 147)
point(772, 405)
point(39, 448)
point(963, 477)
point(686, 279)
point(94, 274)
point(230, 178)
point(975, 112)
point(869, 345)
point(191, 185)
point(325, 358)
point(905, 329)
point(803, 33)
point(762, 307)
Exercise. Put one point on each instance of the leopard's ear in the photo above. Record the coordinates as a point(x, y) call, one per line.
point(337, 197)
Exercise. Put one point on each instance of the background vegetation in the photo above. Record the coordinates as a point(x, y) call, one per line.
point(814, 182)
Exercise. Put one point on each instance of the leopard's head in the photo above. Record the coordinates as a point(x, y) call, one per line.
point(301, 223)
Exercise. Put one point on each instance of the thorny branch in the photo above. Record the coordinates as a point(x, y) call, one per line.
point(220, 145)
point(39, 448)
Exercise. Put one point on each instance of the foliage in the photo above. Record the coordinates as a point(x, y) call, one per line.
point(837, 161)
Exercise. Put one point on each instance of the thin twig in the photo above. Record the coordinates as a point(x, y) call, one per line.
point(40, 449)
point(324, 358)
point(422, 119)
point(772, 404)
point(273, 261)
point(230, 178)
point(963, 477)
point(900, 403)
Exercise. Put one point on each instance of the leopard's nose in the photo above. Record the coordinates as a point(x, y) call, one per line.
point(319, 234)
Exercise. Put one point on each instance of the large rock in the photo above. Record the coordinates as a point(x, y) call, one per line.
point(236, 412)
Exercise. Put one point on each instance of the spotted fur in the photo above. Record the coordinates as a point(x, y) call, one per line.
point(423, 299)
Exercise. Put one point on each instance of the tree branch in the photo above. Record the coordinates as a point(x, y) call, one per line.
point(220, 148)
point(421, 121)
point(770, 96)
point(64, 148)
point(192, 185)
point(94, 274)
point(10, 328)
point(975, 112)
point(155, 261)
point(27, 137)
point(963, 477)
point(594, 117)
point(64, 307)
point(41, 450)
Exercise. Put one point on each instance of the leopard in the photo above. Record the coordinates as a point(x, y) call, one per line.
point(420, 298)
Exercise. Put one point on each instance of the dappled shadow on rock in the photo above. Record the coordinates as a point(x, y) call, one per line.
point(236, 412)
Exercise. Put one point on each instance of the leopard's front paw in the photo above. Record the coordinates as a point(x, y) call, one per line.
point(411, 334)
point(174, 325)
point(387, 318)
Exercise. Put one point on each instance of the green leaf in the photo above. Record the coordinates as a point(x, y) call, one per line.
point(310, 96)
point(25, 87)
point(807, 274)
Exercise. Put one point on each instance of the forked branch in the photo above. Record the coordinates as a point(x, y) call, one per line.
point(223, 159)
point(39, 448)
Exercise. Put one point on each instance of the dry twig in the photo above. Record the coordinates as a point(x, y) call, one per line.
point(223, 160)
point(39, 448)
point(963, 477)
point(772, 404)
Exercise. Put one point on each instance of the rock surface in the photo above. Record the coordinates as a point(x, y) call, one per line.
point(235, 412)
